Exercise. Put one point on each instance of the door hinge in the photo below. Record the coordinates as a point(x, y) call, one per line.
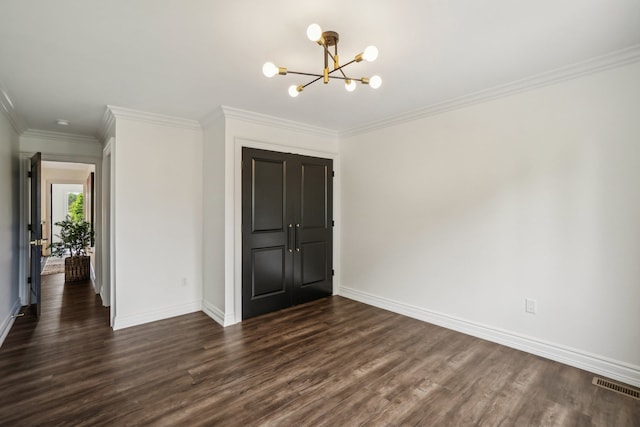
point(333, 272)
point(333, 174)
point(28, 279)
point(29, 227)
point(333, 223)
point(28, 174)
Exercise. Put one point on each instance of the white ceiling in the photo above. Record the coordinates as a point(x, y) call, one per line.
point(68, 59)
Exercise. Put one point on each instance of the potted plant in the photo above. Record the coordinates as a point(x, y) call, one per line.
point(75, 238)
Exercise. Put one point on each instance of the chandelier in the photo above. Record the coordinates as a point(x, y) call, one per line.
point(328, 39)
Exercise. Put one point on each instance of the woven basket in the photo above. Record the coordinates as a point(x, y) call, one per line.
point(77, 268)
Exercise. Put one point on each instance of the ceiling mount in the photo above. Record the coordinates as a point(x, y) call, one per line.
point(328, 39)
point(331, 38)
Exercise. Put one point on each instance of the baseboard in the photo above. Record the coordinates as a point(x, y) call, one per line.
point(121, 322)
point(214, 312)
point(7, 322)
point(600, 365)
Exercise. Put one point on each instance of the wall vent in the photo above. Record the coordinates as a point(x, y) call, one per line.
point(618, 388)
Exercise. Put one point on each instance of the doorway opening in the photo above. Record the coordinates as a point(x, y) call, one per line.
point(68, 192)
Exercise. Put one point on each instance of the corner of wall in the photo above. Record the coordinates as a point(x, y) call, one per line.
point(213, 312)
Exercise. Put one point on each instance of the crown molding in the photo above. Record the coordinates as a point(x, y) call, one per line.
point(107, 125)
point(6, 107)
point(143, 116)
point(212, 117)
point(59, 136)
point(264, 119)
point(600, 63)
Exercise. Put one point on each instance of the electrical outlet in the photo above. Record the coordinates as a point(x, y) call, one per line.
point(530, 306)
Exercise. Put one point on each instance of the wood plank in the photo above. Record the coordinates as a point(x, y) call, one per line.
point(330, 362)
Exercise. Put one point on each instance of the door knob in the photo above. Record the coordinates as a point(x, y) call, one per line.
point(39, 242)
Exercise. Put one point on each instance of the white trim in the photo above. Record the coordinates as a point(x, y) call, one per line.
point(7, 323)
point(92, 275)
point(276, 122)
point(59, 136)
point(6, 108)
point(107, 226)
point(143, 116)
point(121, 322)
point(107, 126)
point(213, 312)
point(611, 60)
point(600, 365)
point(212, 117)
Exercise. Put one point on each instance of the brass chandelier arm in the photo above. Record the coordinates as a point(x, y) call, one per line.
point(312, 81)
point(320, 76)
point(304, 74)
point(330, 72)
point(333, 58)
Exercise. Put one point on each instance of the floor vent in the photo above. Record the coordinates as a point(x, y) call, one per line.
point(618, 388)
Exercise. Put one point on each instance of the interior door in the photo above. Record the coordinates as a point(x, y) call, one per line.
point(286, 230)
point(267, 235)
point(36, 242)
point(313, 208)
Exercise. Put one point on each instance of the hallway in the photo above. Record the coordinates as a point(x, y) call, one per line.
point(70, 368)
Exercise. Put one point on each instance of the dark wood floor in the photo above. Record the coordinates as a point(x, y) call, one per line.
point(334, 362)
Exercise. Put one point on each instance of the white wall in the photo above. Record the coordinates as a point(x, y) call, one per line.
point(157, 217)
point(214, 244)
point(458, 217)
point(9, 223)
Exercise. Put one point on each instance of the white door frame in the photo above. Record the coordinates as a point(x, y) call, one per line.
point(106, 211)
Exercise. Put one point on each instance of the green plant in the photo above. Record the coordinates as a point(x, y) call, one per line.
point(75, 238)
point(76, 208)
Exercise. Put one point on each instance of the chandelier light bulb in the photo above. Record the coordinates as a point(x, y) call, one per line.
point(293, 91)
point(370, 53)
point(350, 85)
point(314, 32)
point(375, 82)
point(269, 69)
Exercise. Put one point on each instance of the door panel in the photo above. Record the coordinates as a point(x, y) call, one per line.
point(313, 262)
point(314, 196)
point(268, 272)
point(268, 195)
point(35, 235)
point(287, 230)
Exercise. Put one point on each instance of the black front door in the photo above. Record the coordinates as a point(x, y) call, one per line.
point(287, 230)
